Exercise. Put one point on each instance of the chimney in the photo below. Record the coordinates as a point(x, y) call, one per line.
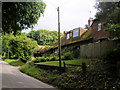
point(65, 32)
point(90, 21)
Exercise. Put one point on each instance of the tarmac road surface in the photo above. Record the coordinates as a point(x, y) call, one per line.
point(13, 78)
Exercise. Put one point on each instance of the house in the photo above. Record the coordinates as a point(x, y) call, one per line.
point(98, 30)
point(100, 42)
point(93, 42)
point(70, 37)
point(95, 32)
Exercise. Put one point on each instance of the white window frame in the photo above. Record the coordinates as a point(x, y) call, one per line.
point(99, 26)
point(68, 36)
point(76, 32)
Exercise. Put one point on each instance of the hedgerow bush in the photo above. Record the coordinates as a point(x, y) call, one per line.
point(14, 62)
point(76, 53)
point(53, 58)
point(39, 59)
point(68, 56)
point(18, 47)
point(47, 59)
point(112, 56)
point(36, 52)
point(70, 53)
point(67, 49)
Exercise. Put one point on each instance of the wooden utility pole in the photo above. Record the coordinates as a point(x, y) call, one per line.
point(59, 39)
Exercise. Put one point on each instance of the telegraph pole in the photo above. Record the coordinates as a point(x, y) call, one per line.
point(59, 39)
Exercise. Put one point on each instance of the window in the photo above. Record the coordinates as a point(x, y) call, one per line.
point(76, 32)
point(99, 26)
point(68, 36)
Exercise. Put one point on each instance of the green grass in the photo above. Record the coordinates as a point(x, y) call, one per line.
point(14, 62)
point(74, 62)
point(94, 78)
point(29, 69)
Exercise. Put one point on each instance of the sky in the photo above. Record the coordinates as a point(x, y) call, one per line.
point(73, 14)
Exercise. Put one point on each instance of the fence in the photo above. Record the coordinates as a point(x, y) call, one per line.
point(96, 49)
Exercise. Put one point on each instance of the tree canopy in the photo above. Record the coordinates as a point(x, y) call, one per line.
point(44, 37)
point(20, 15)
point(18, 46)
point(110, 11)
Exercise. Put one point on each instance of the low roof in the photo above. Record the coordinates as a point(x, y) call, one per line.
point(85, 36)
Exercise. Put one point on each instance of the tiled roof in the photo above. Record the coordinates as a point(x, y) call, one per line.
point(91, 33)
point(86, 35)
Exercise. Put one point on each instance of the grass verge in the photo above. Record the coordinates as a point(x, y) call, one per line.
point(74, 62)
point(14, 62)
point(95, 77)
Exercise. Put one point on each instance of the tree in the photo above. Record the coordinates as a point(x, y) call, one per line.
point(20, 15)
point(44, 37)
point(6, 44)
point(111, 12)
point(18, 46)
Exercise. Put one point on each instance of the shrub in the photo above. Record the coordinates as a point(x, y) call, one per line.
point(62, 57)
point(112, 56)
point(17, 63)
point(36, 52)
point(55, 71)
point(18, 47)
point(47, 59)
point(111, 59)
point(39, 59)
point(67, 49)
point(67, 56)
point(3, 57)
point(84, 67)
point(14, 62)
point(57, 58)
point(53, 58)
point(52, 55)
point(76, 53)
